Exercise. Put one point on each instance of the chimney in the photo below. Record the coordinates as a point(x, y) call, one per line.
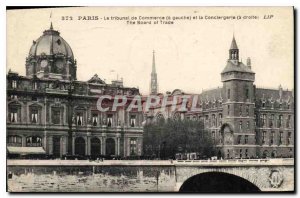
point(249, 62)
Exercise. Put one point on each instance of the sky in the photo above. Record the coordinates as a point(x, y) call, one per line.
point(190, 54)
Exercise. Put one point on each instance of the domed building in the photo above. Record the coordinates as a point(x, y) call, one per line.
point(50, 56)
point(50, 112)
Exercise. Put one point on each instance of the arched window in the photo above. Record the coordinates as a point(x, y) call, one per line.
point(33, 141)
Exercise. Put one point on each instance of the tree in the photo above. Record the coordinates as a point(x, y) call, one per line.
point(165, 139)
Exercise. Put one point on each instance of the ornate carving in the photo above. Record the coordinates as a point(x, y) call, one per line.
point(275, 179)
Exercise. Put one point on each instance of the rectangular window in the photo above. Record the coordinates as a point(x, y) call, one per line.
point(34, 85)
point(220, 119)
point(133, 147)
point(241, 125)
point(246, 153)
point(213, 120)
point(220, 137)
point(94, 119)
point(34, 116)
point(56, 116)
point(280, 138)
point(228, 109)
point(248, 125)
point(14, 141)
point(228, 94)
point(14, 115)
point(247, 110)
point(289, 138)
point(271, 120)
point(247, 93)
point(264, 137)
point(246, 139)
point(239, 139)
point(272, 138)
point(241, 153)
point(109, 120)
point(280, 121)
point(132, 120)
point(79, 119)
point(213, 136)
point(288, 121)
point(14, 84)
point(241, 108)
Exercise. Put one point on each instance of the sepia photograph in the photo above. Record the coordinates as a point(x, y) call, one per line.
point(150, 99)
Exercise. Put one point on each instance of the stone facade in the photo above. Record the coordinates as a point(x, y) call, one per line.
point(271, 175)
point(244, 121)
point(49, 108)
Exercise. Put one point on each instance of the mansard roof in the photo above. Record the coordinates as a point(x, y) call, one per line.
point(273, 94)
point(211, 94)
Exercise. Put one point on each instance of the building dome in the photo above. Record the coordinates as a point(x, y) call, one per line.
point(50, 43)
point(50, 56)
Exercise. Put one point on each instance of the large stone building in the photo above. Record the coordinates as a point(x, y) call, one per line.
point(244, 120)
point(49, 110)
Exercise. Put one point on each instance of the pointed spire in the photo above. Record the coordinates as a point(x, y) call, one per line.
point(153, 84)
point(233, 43)
point(234, 51)
point(51, 26)
point(153, 63)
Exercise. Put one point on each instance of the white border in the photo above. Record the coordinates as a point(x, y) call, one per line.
point(112, 3)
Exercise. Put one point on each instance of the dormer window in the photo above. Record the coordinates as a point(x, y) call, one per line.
point(58, 42)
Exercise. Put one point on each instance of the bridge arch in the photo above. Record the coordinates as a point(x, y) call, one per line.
point(218, 182)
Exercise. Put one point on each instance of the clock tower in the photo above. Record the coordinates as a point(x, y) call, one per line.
point(238, 128)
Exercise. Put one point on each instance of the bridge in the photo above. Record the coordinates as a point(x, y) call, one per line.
point(243, 175)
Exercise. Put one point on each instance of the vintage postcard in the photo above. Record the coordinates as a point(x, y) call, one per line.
point(150, 99)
